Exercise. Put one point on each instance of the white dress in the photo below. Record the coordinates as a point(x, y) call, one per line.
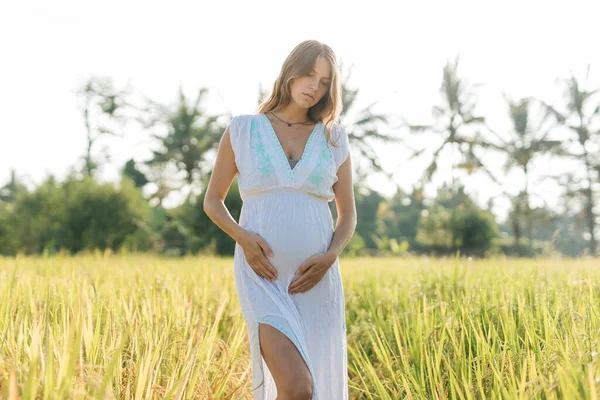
point(288, 207)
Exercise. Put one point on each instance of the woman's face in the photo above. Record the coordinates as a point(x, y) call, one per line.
point(308, 90)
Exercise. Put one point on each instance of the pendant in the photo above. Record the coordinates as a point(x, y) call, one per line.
point(289, 124)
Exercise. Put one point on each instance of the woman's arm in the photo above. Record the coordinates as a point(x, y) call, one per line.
point(223, 173)
point(253, 245)
point(346, 209)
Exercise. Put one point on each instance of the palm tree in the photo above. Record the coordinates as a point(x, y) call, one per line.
point(191, 135)
point(104, 113)
point(457, 125)
point(364, 128)
point(524, 144)
point(578, 114)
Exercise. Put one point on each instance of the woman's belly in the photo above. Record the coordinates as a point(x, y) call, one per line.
point(295, 224)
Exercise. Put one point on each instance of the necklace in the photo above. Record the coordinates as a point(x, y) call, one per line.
point(288, 123)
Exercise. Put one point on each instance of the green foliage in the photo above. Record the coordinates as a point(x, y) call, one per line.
point(175, 238)
point(391, 246)
point(99, 216)
point(204, 232)
point(435, 229)
point(399, 217)
point(8, 243)
point(9, 192)
point(474, 230)
point(355, 247)
point(78, 215)
point(507, 246)
point(367, 203)
point(37, 218)
point(456, 223)
point(130, 170)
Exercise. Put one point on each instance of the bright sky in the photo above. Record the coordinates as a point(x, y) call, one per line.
point(398, 50)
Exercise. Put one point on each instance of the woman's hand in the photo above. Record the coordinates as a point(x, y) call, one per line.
point(255, 249)
point(311, 272)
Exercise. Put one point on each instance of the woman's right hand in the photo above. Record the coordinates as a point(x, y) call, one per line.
point(255, 250)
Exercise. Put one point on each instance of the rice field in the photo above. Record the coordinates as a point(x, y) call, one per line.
point(102, 326)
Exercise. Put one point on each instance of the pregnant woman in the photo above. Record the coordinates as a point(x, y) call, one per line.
point(292, 159)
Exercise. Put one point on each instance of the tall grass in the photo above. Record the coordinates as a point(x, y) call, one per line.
point(145, 327)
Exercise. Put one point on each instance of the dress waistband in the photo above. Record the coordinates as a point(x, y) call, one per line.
point(282, 190)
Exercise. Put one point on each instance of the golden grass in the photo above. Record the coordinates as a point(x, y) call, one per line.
point(145, 327)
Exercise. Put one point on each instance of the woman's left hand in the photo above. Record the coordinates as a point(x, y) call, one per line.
point(311, 272)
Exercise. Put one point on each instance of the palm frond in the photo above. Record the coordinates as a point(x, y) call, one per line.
point(553, 112)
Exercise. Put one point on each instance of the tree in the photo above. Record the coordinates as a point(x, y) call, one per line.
point(524, 144)
point(456, 124)
point(454, 222)
point(37, 218)
point(364, 127)
point(368, 202)
point(207, 233)
point(161, 176)
point(104, 112)
point(579, 114)
point(8, 245)
point(399, 217)
point(190, 135)
point(572, 229)
point(131, 171)
point(8, 192)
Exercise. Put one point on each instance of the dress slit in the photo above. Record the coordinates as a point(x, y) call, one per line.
point(283, 326)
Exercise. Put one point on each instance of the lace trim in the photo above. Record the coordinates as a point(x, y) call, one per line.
point(276, 145)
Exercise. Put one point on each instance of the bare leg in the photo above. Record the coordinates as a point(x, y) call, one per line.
point(290, 372)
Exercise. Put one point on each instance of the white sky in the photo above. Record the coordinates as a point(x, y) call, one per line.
point(397, 48)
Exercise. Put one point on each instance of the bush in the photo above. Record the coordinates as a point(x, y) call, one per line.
point(466, 228)
point(78, 215)
point(204, 232)
point(355, 247)
point(101, 216)
point(7, 238)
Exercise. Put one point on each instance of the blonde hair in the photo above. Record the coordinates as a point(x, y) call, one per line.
point(298, 63)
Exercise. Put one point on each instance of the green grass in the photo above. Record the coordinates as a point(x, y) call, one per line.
point(144, 327)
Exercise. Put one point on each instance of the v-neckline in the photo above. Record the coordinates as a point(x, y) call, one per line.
point(281, 149)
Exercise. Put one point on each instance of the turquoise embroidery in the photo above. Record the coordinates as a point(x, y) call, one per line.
point(322, 168)
point(265, 166)
point(281, 153)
